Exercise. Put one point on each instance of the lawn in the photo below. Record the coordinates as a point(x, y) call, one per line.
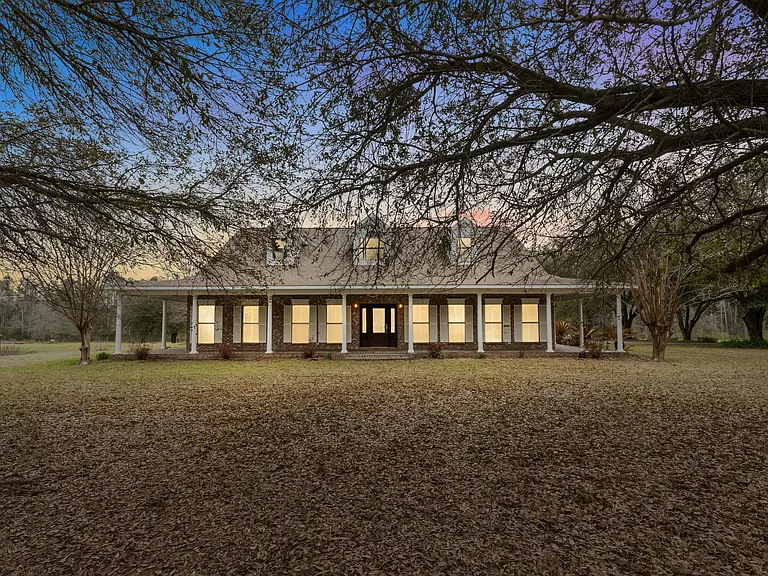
point(519, 466)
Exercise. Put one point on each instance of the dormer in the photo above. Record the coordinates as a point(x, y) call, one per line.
point(369, 243)
point(463, 235)
point(281, 249)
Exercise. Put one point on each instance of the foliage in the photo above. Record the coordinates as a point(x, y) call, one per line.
point(309, 351)
point(435, 349)
point(744, 343)
point(593, 348)
point(103, 356)
point(707, 339)
point(10, 350)
point(224, 350)
point(140, 350)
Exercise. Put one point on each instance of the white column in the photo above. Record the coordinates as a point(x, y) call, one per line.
point(344, 321)
point(193, 327)
point(619, 327)
point(119, 325)
point(480, 330)
point(410, 323)
point(581, 323)
point(162, 334)
point(550, 346)
point(269, 324)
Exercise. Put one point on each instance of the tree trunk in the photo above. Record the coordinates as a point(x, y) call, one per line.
point(753, 320)
point(85, 346)
point(174, 335)
point(659, 338)
point(685, 323)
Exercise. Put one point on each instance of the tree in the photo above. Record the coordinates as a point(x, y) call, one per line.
point(658, 283)
point(556, 118)
point(753, 303)
point(74, 279)
point(179, 114)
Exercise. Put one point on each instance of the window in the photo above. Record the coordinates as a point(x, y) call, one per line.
point(333, 324)
point(250, 324)
point(300, 323)
point(421, 323)
point(373, 249)
point(530, 322)
point(492, 318)
point(206, 324)
point(456, 316)
point(464, 247)
point(278, 251)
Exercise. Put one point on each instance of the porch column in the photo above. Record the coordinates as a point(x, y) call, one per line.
point(619, 326)
point(344, 321)
point(162, 333)
point(119, 325)
point(480, 334)
point(269, 324)
point(193, 326)
point(581, 323)
point(410, 323)
point(550, 346)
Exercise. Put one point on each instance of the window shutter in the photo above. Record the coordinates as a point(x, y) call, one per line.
point(433, 322)
point(506, 323)
point(218, 326)
point(313, 323)
point(237, 325)
point(262, 324)
point(349, 324)
point(405, 322)
point(287, 324)
point(444, 323)
point(469, 333)
point(518, 323)
point(322, 323)
point(542, 322)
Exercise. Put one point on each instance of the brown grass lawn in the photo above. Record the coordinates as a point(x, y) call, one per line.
point(520, 466)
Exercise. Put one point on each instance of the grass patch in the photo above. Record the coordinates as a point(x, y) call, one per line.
point(464, 466)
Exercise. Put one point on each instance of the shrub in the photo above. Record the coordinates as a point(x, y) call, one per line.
point(481, 356)
point(592, 349)
point(435, 349)
point(224, 350)
point(707, 339)
point(521, 354)
point(10, 350)
point(140, 351)
point(102, 356)
point(309, 352)
point(327, 356)
point(744, 343)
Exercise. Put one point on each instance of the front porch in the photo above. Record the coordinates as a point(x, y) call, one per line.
point(367, 323)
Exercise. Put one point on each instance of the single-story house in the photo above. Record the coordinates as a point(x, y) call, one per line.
point(341, 290)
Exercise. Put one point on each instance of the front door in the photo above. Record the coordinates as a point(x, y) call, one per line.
point(378, 325)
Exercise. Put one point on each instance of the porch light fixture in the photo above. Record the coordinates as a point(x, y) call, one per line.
point(400, 305)
point(354, 305)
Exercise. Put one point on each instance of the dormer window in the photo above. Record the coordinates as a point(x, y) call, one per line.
point(464, 249)
point(372, 248)
point(278, 251)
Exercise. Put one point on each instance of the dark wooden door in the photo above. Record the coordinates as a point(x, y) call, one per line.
point(378, 325)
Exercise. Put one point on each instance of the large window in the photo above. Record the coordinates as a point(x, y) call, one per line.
point(464, 247)
point(373, 249)
point(206, 324)
point(279, 250)
point(492, 318)
point(300, 324)
point(456, 319)
point(420, 323)
point(530, 322)
point(334, 332)
point(250, 324)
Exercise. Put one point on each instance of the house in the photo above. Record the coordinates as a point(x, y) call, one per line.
point(342, 290)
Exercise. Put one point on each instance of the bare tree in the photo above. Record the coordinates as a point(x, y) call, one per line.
point(556, 119)
point(658, 283)
point(175, 99)
point(74, 278)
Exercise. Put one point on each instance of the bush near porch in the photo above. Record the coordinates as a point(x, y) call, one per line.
point(464, 466)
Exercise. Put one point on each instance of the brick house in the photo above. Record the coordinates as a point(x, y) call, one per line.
point(343, 290)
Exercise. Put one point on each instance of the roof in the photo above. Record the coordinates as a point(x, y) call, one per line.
point(329, 257)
